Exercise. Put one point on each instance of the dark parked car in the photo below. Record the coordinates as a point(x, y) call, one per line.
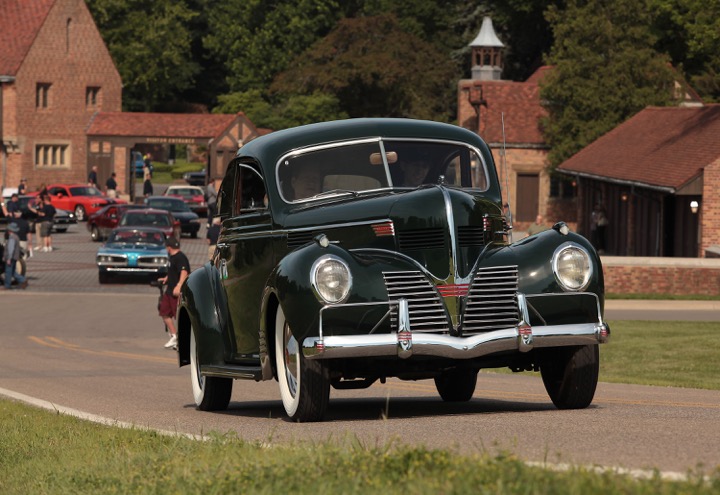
point(149, 217)
point(359, 250)
point(195, 178)
point(189, 221)
point(133, 251)
point(102, 222)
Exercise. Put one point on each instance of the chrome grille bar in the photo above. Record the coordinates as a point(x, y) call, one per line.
point(427, 313)
point(492, 300)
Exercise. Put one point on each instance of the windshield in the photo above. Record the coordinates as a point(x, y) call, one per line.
point(147, 219)
point(84, 191)
point(350, 168)
point(138, 237)
point(168, 204)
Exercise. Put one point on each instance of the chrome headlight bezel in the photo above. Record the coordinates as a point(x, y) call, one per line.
point(322, 272)
point(560, 265)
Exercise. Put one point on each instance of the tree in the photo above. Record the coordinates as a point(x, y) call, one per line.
point(256, 39)
point(689, 30)
point(375, 69)
point(150, 45)
point(284, 111)
point(605, 70)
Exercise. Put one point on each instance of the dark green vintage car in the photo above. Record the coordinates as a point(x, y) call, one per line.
point(358, 250)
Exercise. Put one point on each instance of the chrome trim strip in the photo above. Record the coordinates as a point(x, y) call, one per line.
point(423, 344)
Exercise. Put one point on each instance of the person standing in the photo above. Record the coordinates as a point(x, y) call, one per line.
point(111, 186)
point(212, 235)
point(537, 227)
point(22, 188)
point(147, 187)
point(598, 225)
point(23, 233)
point(11, 255)
point(12, 205)
point(211, 198)
point(178, 272)
point(46, 217)
point(92, 177)
point(37, 220)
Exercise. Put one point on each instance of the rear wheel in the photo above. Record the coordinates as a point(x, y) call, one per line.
point(211, 393)
point(95, 233)
point(570, 375)
point(456, 385)
point(304, 383)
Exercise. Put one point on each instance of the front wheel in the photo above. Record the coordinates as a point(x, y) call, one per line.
point(80, 213)
point(456, 385)
point(211, 393)
point(95, 234)
point(570, 375)
point(304, 383)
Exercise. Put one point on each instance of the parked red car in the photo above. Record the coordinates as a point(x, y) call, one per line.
point(150, 217)
point(194, 197)
point(102, 222)
point(81, 199)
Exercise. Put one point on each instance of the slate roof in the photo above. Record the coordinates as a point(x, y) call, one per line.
point(190, 125)
point(20, 22)
point(658, 147)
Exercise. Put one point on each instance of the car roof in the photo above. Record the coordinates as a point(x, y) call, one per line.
point(280, 142)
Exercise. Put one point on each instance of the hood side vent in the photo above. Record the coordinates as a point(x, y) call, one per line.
point(469, 236)
point(418, 239)
point(297, 239)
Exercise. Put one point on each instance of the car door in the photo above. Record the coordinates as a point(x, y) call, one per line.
point(108, 221)
point(244, 257)
point(60, 197)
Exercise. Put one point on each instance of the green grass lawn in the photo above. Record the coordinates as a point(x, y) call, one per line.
point(47, 453)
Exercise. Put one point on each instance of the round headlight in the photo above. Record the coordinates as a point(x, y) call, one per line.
point(572, 266)
point(331, 279)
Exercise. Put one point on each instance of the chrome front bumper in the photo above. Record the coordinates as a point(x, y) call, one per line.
point(406, 343)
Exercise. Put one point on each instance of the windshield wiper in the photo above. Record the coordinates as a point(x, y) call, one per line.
point(335, 191)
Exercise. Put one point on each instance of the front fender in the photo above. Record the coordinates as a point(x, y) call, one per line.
point(291, 283)
point(203, 307)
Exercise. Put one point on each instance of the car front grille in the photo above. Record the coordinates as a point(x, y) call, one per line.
point(427, 313)
point(491, 301)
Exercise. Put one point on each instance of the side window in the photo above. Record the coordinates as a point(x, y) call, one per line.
point(226, 193)
point(249, 191)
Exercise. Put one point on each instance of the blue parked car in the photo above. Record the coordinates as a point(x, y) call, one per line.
point(138, 163)
point(133, 251)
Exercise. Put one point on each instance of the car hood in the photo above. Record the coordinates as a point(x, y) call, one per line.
point(443, 229)
point(128, 247)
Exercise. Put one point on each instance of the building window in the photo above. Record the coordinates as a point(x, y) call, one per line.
point(562, 188)
point(51, 155)
point(92, 97)
point(42, 95)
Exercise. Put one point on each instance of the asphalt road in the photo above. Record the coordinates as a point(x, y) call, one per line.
point(96, 349)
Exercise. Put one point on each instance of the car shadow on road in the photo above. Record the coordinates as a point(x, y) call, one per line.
point(374, 408)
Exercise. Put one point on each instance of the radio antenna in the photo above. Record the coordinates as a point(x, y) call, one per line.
point(504, 164)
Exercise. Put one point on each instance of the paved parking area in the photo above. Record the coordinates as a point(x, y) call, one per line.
point(71, 266)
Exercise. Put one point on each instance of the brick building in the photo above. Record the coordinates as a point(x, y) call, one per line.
point(55, 74)
point(61, 102)
point(647, 186)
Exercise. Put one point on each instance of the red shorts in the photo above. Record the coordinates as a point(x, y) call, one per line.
point(168, 306)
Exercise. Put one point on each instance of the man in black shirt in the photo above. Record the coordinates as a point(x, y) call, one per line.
point(178, 272)
point(111, 186)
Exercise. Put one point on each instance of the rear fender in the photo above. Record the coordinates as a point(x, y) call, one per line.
point(203, 306)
